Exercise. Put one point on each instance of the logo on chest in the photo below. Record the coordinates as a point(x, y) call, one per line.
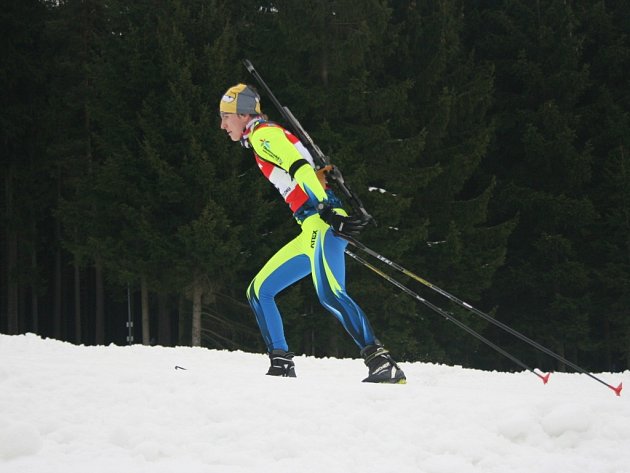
point(265, 144)
point(266, 150)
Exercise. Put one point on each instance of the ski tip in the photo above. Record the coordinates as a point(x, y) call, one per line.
point(180, 368)
point(545, 378)
point(617, 389)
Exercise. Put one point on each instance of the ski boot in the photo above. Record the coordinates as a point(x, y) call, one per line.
point(382, 367)
point(281, 364)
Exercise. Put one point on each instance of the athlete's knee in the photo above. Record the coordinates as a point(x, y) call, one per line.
point(257, 293)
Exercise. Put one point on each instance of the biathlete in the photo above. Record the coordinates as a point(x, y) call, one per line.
point(318, 250)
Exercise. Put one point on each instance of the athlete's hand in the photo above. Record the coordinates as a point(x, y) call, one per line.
point(350, 226)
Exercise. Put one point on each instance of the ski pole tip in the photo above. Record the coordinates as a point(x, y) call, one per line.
point(617, 389)
point(545, 378)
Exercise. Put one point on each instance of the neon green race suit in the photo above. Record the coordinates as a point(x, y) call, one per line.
point(317, 250)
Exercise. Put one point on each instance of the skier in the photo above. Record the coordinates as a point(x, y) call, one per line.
point(318, 249)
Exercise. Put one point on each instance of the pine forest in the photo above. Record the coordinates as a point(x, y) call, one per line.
point(489, 139)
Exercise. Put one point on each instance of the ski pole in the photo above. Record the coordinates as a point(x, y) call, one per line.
point(446, 315)
point(483, 315)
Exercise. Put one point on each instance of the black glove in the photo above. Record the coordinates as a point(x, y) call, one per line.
point(350, 226)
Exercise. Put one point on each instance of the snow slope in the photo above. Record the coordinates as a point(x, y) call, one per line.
point(67, 408)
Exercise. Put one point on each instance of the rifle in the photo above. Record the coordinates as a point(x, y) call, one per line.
point(321, 160)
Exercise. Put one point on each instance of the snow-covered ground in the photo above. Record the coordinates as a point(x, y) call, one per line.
point(66, 408)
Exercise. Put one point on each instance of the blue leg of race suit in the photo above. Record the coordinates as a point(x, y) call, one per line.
point(286, 267)
point(319, 251)
point(329, 276)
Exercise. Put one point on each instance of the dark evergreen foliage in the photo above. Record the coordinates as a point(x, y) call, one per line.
point(490, 139)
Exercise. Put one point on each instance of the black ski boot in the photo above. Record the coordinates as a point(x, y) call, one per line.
point(382, 367)
point(281, 364)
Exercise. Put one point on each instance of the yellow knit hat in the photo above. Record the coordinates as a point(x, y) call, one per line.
point(240, 99)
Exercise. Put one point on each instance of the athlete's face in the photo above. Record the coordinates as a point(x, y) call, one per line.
point(234, 124)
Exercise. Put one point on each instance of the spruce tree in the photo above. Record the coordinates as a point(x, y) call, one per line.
point(542, 168)
point(606, 127)
point(26, 188)
point(176, 229)
point(460, 246)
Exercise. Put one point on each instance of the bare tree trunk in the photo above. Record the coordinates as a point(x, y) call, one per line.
point(58, 297)
point(77, 302)
point(146, 326)
point(58, 287)
point(181, 322)
point(196, 314)
point(35, 283)
point(11, 249)
point(334, 343)
point(164, 321)
point(562, 367)
point(100, 306)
